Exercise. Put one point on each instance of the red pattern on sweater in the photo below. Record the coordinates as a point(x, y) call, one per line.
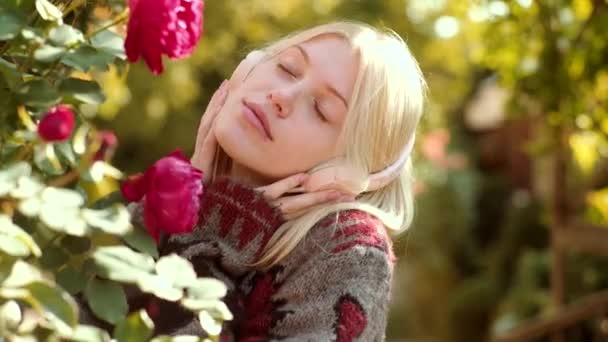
point(258, 309)
point(351, 320)
point(366, 230)
point(229, 195)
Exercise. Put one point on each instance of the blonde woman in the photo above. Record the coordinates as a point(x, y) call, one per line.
point(305, 153)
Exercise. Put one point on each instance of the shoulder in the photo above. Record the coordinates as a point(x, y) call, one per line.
point(354, 231)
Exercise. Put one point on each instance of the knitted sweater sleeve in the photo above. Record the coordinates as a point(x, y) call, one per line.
point(334, 286)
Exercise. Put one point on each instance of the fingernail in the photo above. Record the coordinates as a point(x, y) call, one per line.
point(302, 178)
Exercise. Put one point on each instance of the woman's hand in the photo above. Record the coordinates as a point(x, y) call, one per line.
point(296, 205)
point(206, 143)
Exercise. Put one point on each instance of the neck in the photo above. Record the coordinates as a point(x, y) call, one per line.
point(247, 176)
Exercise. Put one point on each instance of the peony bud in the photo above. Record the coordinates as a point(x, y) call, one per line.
point(57, 124)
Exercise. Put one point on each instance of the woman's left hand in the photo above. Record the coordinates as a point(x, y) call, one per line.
point(293, 206)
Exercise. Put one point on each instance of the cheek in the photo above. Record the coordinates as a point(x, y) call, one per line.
point(227, 132)
point(303, 148)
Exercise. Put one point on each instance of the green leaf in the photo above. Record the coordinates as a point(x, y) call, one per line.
point(63, 219)
point(16, 241)
point(65, 150)
point(27, 187)
point(99, 170)
point(10, 73)
point(22, 274)
point(10, 315)
point(121, 263)
point(10, 24)
point(46, 160)
point(49, 53)
point(53, 257)
point(34, 34)
point(82, 90)
point(139, 239)
point(11, 246)
point(30, 207)
point(62, 197)
point(207, 288)
point(56, 305)
point(109, 42)
point(216, 308)
point(65, 35)
point(178, 271)
point(75, 244)
point(210, 325)
point(48, 11)
point(137, 327)
point(87, 333)
point(159, 286)
point(38, 93)
point(114, 220)
point(107, 300)
point(71, 280)
point(86, 57)
point(16, 170)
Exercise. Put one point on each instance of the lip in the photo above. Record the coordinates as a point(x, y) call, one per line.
point(254, 121)
point(261, 115)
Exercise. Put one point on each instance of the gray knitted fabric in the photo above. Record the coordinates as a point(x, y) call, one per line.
point(334, 286)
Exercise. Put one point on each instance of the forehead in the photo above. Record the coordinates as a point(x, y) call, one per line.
point(332, 60)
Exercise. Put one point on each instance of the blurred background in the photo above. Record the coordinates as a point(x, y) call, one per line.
point(509, 242)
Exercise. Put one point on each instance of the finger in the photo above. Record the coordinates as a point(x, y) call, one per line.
point(295, 190)
point(291, 216)
point(209, 118)
point(277, 189)
point(297, 203)
point(207, 154)
point(213, 108)
point(218, 94)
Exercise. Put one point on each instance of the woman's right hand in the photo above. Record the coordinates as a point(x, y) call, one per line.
point(206, 143)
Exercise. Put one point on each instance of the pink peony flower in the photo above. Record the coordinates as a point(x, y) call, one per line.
point(172, 188)
point(107, 146)
point(56, 124)
point(156, 27)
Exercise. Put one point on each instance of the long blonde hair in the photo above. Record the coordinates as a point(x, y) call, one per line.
point(385, 107)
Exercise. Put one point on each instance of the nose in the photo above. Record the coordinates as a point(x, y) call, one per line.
point(282, 101)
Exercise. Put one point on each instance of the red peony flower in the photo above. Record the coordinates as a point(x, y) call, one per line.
point(107, 146)
point(56, 124)
point(156, 27)
point(172, 188)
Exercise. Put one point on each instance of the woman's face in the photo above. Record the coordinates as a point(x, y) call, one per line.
point(303, 92)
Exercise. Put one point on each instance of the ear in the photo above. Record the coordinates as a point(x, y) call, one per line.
point(244, 68)
point(339, 177)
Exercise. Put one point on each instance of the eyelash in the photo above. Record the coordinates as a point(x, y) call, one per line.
point(319, 114)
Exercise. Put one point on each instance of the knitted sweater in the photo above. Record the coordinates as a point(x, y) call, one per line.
point(334, 286)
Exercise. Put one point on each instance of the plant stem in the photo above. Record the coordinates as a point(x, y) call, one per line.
point(64, 179)
point(73, 5)
point(121, 17)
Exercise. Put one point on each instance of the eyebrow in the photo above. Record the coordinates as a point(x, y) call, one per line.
point(331, 89)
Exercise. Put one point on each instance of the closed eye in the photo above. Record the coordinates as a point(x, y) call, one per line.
point(319, 114)
point(315, 104)
point(284, 68)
